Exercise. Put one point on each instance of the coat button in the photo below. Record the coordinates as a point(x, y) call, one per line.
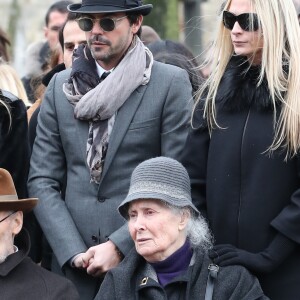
point(94, 239)
point(101, 199)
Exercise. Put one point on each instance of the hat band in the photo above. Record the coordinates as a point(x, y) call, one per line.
point(160, 188)
point(9, 197)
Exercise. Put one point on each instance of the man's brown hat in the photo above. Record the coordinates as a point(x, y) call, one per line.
point(8, 196)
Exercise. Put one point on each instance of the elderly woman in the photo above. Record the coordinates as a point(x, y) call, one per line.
point(171, 239)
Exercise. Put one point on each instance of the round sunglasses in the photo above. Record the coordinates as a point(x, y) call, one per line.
point(247, 21)
point(107, 24)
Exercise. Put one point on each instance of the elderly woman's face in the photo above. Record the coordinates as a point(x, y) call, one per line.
point(156, 230)
point(245, 43)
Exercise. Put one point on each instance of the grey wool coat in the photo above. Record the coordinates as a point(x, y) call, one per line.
point(135, 279)
point(152, 122)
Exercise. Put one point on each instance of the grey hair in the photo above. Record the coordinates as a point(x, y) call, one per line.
point(199, 233)
point(197, 230)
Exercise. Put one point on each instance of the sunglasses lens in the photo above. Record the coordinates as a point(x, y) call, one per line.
point(107, 24)
point(85, 24)
point(228, 20)
point(247, 21)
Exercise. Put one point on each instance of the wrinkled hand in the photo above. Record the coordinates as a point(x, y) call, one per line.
point(226, 255)
point(100, 259)
point(78, 261)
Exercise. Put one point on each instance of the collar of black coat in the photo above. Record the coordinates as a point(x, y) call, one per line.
point(239, 89)
point(22, 241)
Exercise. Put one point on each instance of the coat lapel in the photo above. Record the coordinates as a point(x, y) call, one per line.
point(123, 120)
point(83, 131)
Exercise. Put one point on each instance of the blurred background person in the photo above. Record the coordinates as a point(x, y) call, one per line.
point(4, 46)
point(11, 82)
point(149, 35)
point(171, 240)
point(177, 54)
point(70, 37)
point(38, 54)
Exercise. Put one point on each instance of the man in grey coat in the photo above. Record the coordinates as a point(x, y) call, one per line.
point(93, 132)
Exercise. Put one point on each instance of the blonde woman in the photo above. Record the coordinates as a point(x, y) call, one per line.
point(242, 153)
point(10, 81)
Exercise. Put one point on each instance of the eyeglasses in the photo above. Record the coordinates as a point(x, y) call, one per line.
point(55, 28)
point(107, 24)
point(7, 216)
point(247, 21)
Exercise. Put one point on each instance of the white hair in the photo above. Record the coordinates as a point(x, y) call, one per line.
point(197, 230)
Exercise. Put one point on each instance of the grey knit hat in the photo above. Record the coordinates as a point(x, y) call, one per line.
point(159, 178)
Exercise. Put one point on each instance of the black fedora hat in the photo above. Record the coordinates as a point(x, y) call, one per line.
point(111, 6)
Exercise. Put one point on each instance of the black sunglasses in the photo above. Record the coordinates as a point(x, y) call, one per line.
point(107, 24)
point(247, 21)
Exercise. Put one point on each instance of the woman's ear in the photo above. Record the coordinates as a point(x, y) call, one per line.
point(184, 218)
point(17, 222)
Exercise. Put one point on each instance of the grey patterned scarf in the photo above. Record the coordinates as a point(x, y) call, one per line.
point(92, 98)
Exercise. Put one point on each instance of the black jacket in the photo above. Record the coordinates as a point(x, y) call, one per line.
point(14, 145)
point(20, 278)
point(135, 279)
point(247, 195)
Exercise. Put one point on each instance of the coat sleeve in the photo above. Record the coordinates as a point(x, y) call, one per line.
point(194, 158)
point(236, 283)
point(287, 221)
point(46, 178)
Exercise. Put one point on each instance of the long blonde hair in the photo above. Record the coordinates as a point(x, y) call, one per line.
point(11, 82)
point(280, 66)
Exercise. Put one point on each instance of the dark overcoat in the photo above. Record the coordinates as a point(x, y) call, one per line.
point(21, 278)
point(135, 279)
point(247, 194)
point(14, 144)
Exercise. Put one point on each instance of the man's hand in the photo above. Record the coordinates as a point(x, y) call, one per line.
point(100, 259)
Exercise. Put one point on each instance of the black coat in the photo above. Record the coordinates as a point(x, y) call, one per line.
point(135, 279)
point(21, 278)
point(247, 195)
point(14, 145)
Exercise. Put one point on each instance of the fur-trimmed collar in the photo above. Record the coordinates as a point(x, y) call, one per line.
point(238, 88)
